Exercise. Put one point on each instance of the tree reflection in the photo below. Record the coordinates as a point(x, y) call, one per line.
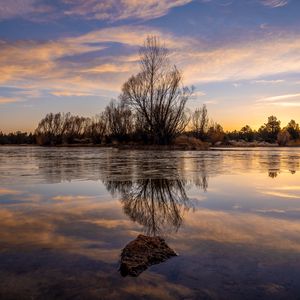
point(273, 173)
point(293, 164)
point(156, 204)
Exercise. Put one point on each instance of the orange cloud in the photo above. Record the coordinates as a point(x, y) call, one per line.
point(70, 94)
point(5, 191)
point(55, 66)
point(72, 198)
point(4, 100)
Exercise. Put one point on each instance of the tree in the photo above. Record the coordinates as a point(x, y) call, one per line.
point(269, 131)
point(51, 129)
point(96, 129)
point(200, 122)
point(55, 129)
point(157, 95)
point(215, 133)
point(246, 133)
point(293, 129)
point(74, 128)
point(283, 137)
point(119, 120)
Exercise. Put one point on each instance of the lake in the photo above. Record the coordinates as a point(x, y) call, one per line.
point(231, 215)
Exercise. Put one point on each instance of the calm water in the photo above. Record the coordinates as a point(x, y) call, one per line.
point(232, 216)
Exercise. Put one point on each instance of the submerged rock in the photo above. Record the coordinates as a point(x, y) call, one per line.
point(143, 252)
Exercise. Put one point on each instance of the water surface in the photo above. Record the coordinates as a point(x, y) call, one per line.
point(232, 216)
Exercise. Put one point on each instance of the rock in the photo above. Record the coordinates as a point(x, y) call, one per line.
point(143, 252)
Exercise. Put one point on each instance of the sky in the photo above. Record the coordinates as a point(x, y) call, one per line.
point(242, 56)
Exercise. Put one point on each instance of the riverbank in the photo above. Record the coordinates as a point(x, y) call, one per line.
point(182, 143)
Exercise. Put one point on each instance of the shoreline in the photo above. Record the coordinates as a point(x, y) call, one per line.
point(156, 147)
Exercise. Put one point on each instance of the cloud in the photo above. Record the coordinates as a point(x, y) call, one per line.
point(115, 10)
point(70, 94)
point(286, 192)
point(242, 60)
point(5, 100)
point(5, 191)
point(278, 81)
point(58, 68)
point(281, 195)
point(274, 3)
point(280, 97)
point(72, 197)
point(111, 10)
point(84, 65)
point(22, 8)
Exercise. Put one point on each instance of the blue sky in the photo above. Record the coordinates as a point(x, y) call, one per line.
point(242, 56)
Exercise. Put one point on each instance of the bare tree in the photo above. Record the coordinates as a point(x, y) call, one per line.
point(52, 128)
point(200, 122)
point(96, 128)
point(119, 120)
point(157, 94)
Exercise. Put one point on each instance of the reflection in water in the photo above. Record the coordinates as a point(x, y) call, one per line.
point(156, 204)
point(273, 174)
point(61, 232)
point(293, 164)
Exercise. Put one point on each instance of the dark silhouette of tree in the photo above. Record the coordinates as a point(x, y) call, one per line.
point(96, 129)
point(17, 138)
point(215, 133)
point(119, 120)
point(51, 129)
point(156, 204)
point(293, 129)
point(200, 122)
point(269, 131)
point(55, 129)
point(273, 174)
point(157, 95)
point(75, 128)
point(246, 133)
point(283, 137)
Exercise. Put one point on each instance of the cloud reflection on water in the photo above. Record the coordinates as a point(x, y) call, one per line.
point(69, 215)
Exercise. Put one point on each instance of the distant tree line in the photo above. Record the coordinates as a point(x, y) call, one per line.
point(118, 124)
point(17, 137)
point(270, 132)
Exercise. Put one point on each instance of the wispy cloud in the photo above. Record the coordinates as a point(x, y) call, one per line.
point(274, 3)
point(244, 60)
point(56, 66)
point(6, 191)
point(114, 10)
point(23, 8)
point(277, 81)
point(111, 10)
point(279, 97)
point(70, 93)
point(4, 100)
point(72, 197)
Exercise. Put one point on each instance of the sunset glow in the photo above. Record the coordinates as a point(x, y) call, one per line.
point(243, 57)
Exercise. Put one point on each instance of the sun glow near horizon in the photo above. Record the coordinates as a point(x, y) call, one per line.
point(242, 70)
